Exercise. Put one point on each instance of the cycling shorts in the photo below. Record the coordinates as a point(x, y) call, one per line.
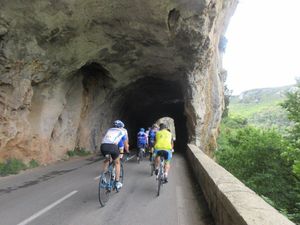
point(110, 149)
point(167, 154)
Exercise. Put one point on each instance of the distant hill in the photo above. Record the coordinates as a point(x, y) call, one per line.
point(261, 107)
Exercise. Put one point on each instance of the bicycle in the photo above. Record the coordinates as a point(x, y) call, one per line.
point(152, 166)
point(141, 154)
point(161, 174)
point(107, 181)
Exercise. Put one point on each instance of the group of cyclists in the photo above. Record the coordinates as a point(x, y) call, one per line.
point(157, 139)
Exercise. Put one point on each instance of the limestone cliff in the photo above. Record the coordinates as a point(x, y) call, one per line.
point(69, 67)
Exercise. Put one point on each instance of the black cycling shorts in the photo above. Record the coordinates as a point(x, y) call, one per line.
point(110, 149)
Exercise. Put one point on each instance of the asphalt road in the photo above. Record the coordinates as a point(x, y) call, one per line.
point(65, 193)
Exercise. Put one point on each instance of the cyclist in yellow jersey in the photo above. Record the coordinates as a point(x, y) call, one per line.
point(163, 148)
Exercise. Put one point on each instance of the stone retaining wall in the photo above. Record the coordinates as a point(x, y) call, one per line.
point(229, 200)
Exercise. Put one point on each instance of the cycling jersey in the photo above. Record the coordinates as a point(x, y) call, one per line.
point(142, 138)
point(114, 136)
point(123, 139)
point(163, 140)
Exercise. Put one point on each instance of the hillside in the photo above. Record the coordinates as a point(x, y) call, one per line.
point(261, 107)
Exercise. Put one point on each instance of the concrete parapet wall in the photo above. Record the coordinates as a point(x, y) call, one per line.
point(229, 200)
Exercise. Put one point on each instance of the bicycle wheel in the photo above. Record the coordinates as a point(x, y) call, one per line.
point(121, 173)
point(152, 168)
point(159, 183)
point(141, 154)
point(104, 188)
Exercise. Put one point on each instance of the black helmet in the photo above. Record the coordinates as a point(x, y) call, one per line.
point(162, 126)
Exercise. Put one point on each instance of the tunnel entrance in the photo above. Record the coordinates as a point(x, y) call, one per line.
point(145, 101)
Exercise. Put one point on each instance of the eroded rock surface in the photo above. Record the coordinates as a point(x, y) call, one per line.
point(69, 67)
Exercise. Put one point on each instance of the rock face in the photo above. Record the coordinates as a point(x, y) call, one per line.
point(68, 68)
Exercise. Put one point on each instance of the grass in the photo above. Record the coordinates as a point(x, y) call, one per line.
point(11, 166)
point(14, 166)
point(78, 152)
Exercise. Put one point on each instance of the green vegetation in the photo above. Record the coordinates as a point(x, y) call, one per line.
point(256, 157)
point(261, 107)
point(78, 152)
point(33, 163)
point(292, 106)
point(11, 166)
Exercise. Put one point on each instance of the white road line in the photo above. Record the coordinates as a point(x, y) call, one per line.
point(41, 212)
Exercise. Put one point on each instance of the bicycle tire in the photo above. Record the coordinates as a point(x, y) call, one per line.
point(151, 169)
point(104, 188)
point(141, 155)
point(121, 173)
point(159, 183)
point(160, 176)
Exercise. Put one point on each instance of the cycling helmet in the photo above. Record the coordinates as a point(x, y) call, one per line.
point(142, 130)
point(162, 126)
point(119, 124)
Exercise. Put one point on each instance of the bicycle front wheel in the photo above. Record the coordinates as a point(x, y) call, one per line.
point(104, 188)
point(121, 173)
point(152, 168)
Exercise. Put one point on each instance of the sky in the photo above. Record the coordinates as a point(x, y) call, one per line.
point(263, 48)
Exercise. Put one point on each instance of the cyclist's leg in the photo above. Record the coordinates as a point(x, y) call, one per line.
point(156, 156)
point(105, 150)
point(115, 155)
point(168, 157)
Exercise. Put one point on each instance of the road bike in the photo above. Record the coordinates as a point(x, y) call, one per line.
point(141, 155)
point(107, 181)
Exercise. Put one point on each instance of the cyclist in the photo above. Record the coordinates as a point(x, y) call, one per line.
point(142, 141)
point(151, 141)
point(109, 146)
point(163, 148)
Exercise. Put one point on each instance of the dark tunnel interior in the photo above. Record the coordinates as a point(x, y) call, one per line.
point(145, 101)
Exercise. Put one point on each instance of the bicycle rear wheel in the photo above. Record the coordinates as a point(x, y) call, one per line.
point(141, 154)
point(160, 180)
point(104, 188)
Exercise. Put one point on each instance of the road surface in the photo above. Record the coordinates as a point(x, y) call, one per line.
point(65, 193)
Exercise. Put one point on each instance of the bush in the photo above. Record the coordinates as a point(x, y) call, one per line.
point(33, 164)
point(11, 166)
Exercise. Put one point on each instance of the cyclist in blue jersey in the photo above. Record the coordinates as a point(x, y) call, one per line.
point(142, 141)
point(109, 146)
point(151, 139)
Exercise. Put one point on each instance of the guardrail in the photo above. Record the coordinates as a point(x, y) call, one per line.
point(229, 200)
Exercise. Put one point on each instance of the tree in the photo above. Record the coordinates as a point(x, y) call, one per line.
point(292, 106)
point(254, 156)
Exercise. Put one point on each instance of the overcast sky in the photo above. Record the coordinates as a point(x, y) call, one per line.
point(263, 48)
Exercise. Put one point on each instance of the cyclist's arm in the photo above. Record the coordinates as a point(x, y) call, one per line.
point(126, 145)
